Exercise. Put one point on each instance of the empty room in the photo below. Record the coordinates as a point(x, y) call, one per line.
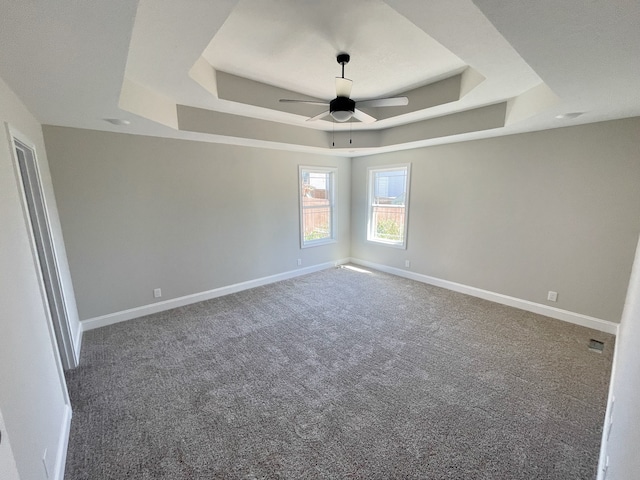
point(280, 239)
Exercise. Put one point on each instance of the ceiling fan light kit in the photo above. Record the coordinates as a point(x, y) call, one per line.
point(342, 108)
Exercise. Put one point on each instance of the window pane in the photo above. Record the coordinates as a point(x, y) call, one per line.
point(387, 211)
point(390, 187)
point(388, 221)
point(317, 184)
point(316, 222)
point(316, 205)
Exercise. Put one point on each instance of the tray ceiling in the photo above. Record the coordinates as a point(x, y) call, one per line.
point(214, 71)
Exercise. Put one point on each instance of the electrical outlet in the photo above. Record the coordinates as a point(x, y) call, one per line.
point(299, 262)
point(552, 296)
point(157, 292)
point(407, 263)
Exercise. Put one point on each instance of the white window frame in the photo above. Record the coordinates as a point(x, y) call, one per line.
point(371, 237)
point(333, 171)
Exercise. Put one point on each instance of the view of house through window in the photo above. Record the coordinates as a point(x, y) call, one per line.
point(388, 192)
point(317, 205)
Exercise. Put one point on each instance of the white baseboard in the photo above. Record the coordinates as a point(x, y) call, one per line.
point(77, 344)
point(63, 444)
point(132, 313)
point(553, 312)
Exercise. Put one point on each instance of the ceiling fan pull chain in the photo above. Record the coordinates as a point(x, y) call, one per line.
point(333, 133)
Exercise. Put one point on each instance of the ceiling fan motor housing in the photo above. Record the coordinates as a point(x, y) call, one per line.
point(344, 106)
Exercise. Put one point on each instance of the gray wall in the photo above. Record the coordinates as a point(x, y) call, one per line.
point(518, 215)
point(33, 397)
point(521, 215)
point(140, 213)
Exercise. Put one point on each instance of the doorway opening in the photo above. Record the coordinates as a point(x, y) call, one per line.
point(46, 255)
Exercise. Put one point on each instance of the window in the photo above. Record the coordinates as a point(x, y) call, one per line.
point(317, 205)
point(388, 192)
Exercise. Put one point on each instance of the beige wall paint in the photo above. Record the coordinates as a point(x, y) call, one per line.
point(140, 213)
point(521, 215)
point(33, 397)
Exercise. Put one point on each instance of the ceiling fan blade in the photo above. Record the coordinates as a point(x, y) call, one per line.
point(343, 87)
point(385, 102)
point(363, 117)
point(309, 102)
point(319, 116)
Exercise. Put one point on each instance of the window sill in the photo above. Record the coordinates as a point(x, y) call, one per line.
point(402, 246)
point(318, 243)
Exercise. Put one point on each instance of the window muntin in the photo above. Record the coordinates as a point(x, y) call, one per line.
point(317, 205)
point(388, 193)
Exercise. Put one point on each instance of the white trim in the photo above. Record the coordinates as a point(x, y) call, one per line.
point(63, 444)
point(333, 171)
point(601, 474)
point(136, 312)
point(13, 135)
point(78, 343)
point(66, 352)
point(370, 194)
point(553, 312)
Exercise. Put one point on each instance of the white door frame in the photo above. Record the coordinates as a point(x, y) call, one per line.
point(36, 211)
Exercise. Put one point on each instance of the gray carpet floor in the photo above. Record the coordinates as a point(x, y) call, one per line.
point(340, 375)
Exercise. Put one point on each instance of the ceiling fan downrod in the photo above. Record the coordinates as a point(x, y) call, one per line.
point(343, 59)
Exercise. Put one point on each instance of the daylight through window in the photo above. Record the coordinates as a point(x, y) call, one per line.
point(388, 205)
point(317, 205)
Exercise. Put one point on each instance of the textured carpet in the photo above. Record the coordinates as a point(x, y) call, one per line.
point(339, 374)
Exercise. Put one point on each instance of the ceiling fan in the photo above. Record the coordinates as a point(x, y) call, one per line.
point(342, 108)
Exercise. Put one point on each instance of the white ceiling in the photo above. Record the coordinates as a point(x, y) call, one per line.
point(295, 47)
point(171, 68)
